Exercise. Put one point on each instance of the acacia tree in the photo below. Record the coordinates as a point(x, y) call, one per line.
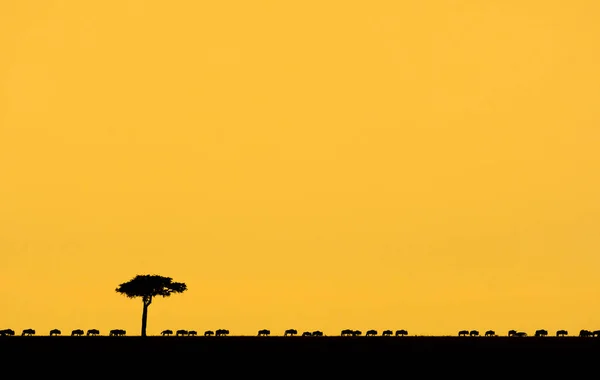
point(147, 287)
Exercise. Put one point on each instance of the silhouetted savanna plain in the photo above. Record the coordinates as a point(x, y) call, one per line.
point(253, 354)
point(181, 352)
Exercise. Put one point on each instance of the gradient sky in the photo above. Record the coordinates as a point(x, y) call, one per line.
point(425, 165)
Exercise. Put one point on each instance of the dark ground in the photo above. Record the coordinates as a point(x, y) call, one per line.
point(314, 356)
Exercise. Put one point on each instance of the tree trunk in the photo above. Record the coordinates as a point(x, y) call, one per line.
point(147, 302)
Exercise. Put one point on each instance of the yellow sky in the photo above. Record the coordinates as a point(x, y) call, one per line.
point(425, 165)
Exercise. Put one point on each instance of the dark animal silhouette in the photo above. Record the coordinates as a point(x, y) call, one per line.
point(463, 333)
point(117, 332)
point(401, 332)
point(586, 333)
point(387, 333)
point(290, 332)
point(93, 332)
point(540, 333)
point(520, 334)
point(596, 333)
point(562, 333)
point(209, 333)
point(181, 333)
point(306, 333)
point(55, 332)
point(147, 287)
point(356, 333)
point(28, 332)
point(490, 333)
point(317, 333)
point(166, 332)
point(474, 333)
point(77, 332)
point(264, 332)
point(512, 333)
point(222, 332)
point(7, 332)
point(347, 332)
point(192, 333)
point(371, 333)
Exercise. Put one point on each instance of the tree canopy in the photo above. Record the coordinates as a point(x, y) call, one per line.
point(147, 286)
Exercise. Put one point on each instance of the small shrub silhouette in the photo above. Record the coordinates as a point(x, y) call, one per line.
point(147, 287)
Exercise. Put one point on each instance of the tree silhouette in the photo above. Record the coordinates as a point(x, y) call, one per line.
point(147, 287)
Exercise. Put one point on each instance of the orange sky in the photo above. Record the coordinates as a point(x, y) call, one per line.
point(424, 165)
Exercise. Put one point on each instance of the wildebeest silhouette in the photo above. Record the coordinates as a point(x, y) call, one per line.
point(386, 333)
point(562, 333)
point(490, 333)
point(28, 332)
point(521, 334)
point(93, 332)
point(117, 332)
point(181, 333)
point(347, 332)
point(55, 332)
point(474, 333)
point(166, 332)
point(307, 333)
point(512, 332)
point(356, 333)
point(77, 332)
point(222, 332)
point(317, 333)
point(540, 333)
point(7, 332)
point(290, 332)
point(401, 332)
point(463, 333)
point(192, 333)
point(371, 333)
point(209, 333)
point(264, 332)
point(586, 333)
